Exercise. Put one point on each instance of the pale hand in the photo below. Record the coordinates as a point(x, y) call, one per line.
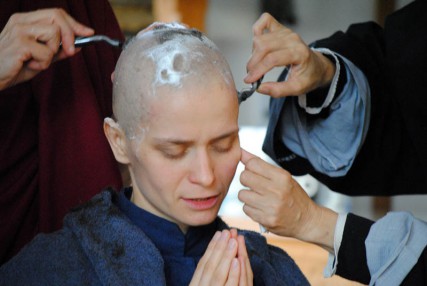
point(225, 262)
point(30, 42)
point(274, 199)
point(274, 45)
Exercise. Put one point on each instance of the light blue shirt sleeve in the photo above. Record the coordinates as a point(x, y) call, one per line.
point(393, 246)
point(330, 144)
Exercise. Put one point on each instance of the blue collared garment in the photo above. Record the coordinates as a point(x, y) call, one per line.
point(100, 245)
point(329, 144)
point(181, 252)
point(393, 247)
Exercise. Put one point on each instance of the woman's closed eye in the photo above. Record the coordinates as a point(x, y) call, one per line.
point(175, 152)
point(224, 145)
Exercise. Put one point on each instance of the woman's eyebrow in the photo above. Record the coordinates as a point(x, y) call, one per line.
point(171, 141)
point(227, 135)
point(177, 141)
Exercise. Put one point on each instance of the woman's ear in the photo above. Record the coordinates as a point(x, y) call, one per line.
point(117, 139)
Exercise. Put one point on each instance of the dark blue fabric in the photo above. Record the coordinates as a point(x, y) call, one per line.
point(181, 252)
point(99, 245)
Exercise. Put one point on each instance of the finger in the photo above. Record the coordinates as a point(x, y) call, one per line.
point(219, 258)
point(76, 29)
point(56, 15)
point(41, 56)
point(245, 267)
point(252, 200)
point(60, 55)
point(197, 276)
point(227, 258)
point(211, 246)
point(47, 34)
point(68, 26)
point(255, 182)
point(301, 79)
point(246, 276)
point(281, 89)
point(242, 251)
point(233, 233)
point(266, 58)
point(248, 272)
point(257, 215)
point(234, 273)
point(246, 156)
point(265, 22)
point(257, 166)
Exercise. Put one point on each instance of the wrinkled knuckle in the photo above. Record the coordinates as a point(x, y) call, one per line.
point(241, 196)
point(273, 213)
point(46, 63)
point(257, 42)
point(276, 93)
point(272, 60)
point(270, 222)
point(15, 18)
point(58, 12)
point(267, 15)
point(288, 178)
point(244, 176)
point(56, 29)
point(244, 208)
point(263, 47)
point(209, 267)
point(251, 163)
point(299, 85)
point(304, 52)
point(294, 36)
point(16, 31)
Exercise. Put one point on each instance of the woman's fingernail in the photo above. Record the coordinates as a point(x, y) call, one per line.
point(216, 235)
point(225, 235)
point(232, 244)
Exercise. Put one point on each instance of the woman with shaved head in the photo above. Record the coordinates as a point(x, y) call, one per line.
point(175, 127)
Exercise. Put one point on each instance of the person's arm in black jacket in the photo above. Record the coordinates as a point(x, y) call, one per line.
point(352, 259)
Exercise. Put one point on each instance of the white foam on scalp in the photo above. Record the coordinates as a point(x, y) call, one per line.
point(147, 31)
point(164, 57)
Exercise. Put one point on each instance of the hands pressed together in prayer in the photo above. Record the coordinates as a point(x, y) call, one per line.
point(30, 42)
point(225, 262)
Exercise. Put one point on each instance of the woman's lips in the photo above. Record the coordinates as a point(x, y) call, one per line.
point(202, 203)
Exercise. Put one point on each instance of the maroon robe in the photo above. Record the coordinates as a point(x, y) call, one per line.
point(53, 152)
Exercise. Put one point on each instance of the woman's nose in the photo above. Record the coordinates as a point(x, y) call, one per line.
point(202, 171)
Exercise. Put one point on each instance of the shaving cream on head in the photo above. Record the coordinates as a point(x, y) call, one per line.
point(173, 25)
point(168, 55)
point(177, 47)
point(172, 63)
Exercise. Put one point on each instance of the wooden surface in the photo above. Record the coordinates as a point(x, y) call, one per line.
point(310, 258)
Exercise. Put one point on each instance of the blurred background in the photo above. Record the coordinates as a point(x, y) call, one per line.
point(229, 24)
